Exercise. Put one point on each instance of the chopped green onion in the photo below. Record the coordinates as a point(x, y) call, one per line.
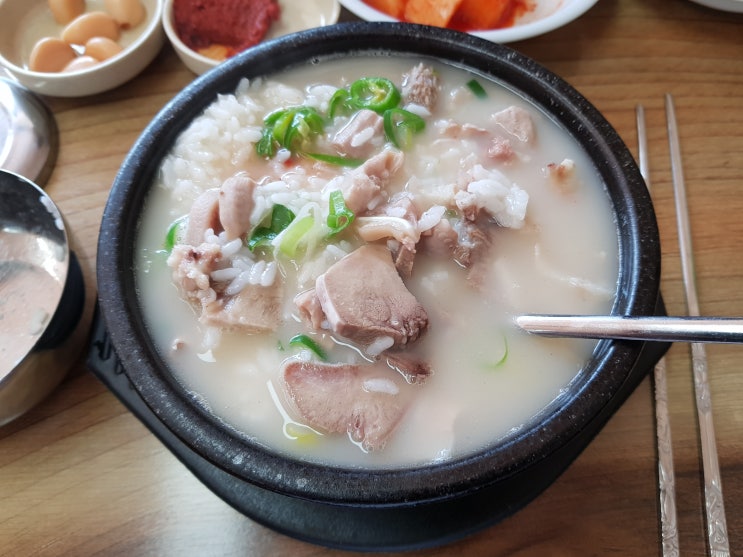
point(503, 358)
point(265, 146)
point(335, 160)
point(401, 125)
point(340, 216)
point(477, 89)
point(294, 234)
point(281, 217)
point(374, 93)
point(175, 232)
point(281, 126)
point(306, 342)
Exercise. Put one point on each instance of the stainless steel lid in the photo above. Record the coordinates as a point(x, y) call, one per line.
point(29, 138)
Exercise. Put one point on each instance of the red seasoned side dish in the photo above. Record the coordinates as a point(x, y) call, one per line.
point(221, 28)
point(464, 15)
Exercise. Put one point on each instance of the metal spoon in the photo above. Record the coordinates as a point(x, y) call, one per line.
point(660, 328)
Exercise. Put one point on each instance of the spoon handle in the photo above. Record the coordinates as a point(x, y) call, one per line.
point(665, 329)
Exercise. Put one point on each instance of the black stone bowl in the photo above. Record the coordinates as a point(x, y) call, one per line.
point(381, 509)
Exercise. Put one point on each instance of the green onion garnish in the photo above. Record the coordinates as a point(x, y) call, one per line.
point(503, 358)
point(175, 232)
point(306, 342)
point(340, 216)
point(281, 217)
point(294, 234)
point(477, 89)
point(336, 160)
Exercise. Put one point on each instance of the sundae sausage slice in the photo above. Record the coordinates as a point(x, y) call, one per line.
point(367, 401)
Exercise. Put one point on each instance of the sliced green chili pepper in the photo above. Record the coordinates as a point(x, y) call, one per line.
point(340, 216)
point(307, 342)
point(289, 128)
point(339, 104)
point(336, 160)
point(175, 231)
point(375, 93)
point(305, 124)
point(281, 217)
point(477, 89)
point(401, 125)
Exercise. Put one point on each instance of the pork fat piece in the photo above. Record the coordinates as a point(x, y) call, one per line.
point(203, 216)
point(361, 135)
point(367, 401)
point(236, 205)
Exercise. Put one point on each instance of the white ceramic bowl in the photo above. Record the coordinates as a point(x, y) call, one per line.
point(546, 16)
point(23, 22)
point(735, 6)
point(296, 15)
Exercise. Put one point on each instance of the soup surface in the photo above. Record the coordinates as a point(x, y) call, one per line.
point(331, 265)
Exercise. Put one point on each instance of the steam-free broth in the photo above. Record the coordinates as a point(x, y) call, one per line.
point(551, 247)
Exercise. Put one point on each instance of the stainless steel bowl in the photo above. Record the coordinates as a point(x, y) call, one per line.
point(41, 296)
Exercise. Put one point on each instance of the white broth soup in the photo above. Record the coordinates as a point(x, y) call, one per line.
point(330, 260)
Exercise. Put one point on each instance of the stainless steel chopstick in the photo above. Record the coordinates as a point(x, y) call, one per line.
point(654, 328)
point(666, 472)
point(717, 535)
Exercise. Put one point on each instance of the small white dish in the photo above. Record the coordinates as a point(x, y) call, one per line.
point(546, 16)
point(735, 6)
point(296, 15)
point(23, 22)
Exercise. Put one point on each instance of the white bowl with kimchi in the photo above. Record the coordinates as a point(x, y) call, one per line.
point(503, 21)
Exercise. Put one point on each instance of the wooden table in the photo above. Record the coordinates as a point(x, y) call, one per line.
point(79, 474)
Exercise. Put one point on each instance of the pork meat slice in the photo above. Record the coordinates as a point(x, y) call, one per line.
point(255, 309)
point(236, 205)
point(413, 369)
point(204, 215)
point(397, 220)
point(360, 136)
point(517, 122)
point(309, 308)
point(366, 401)
point(465, 241)
point(192, 267)
point(421, 86)
point(365, 186)
point(365, 300)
